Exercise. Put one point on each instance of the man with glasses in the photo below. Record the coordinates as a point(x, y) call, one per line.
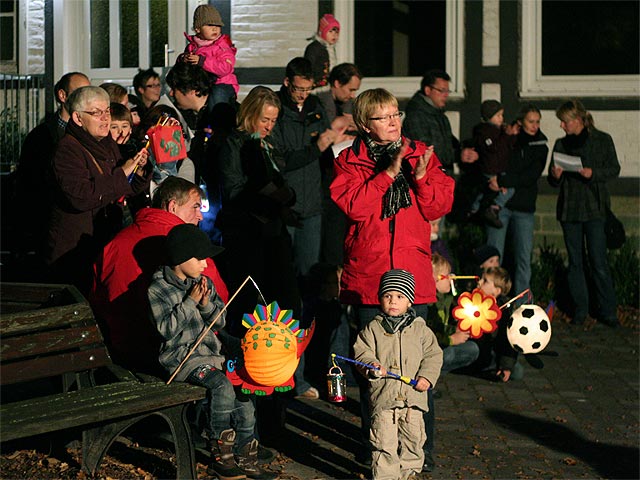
point(427, 122)
point(301, 134)
point(148, 87)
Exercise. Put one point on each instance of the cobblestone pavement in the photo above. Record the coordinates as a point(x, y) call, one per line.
point(575, 418)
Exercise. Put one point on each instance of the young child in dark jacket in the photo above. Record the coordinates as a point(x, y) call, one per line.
point(183, 304)
point(496, 282)
point(494, 143)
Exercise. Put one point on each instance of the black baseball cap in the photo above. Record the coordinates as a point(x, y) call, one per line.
point(186, 241)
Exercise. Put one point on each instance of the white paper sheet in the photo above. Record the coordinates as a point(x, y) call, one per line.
point(569, 163)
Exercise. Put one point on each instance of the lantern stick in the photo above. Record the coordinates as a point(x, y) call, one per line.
point(409, 381)
point(520, 295)
point(206, 330)
point(459, 277)
point(164, 118)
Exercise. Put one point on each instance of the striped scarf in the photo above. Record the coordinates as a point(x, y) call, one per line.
point(397, 196)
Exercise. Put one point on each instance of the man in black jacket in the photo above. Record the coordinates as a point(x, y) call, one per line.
point(302, 133)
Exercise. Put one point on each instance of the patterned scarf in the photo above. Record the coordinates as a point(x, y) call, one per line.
point(396, 324)
point(397, 196)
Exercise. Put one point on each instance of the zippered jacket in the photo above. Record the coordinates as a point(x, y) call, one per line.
point(374, 245)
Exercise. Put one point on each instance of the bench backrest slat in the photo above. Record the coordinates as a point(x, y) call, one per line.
point(51, 366)
point(25, 322)
point(31, 296)
point(50, 342)
point(52, 338)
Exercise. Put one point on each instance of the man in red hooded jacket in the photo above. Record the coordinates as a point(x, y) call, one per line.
point(122, 273)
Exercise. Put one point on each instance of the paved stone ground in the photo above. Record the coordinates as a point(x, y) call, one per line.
point(575, 418)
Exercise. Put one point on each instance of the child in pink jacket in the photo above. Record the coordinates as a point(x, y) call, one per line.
point(214, 52)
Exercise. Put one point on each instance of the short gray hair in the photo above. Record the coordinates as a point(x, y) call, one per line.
point(80, 97)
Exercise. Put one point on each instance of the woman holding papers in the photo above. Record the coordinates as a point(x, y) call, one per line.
point(581, 164)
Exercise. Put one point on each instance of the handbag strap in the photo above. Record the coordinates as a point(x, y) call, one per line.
point(95, 162)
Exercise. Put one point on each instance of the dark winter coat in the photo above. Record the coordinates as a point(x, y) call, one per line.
point(525, 167)
point(88, 183)
point(430, 125)
point(583, 199)
point(294, 136)
point(494, 147)
point(318, 55)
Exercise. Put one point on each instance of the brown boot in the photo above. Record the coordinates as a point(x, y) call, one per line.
point(223, 465)
point(248, 462)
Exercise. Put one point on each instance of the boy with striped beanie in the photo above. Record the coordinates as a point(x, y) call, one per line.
point(399, 342)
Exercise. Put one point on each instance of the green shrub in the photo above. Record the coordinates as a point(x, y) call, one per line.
point(625, 268)
point(549, 275)
point(11, 138)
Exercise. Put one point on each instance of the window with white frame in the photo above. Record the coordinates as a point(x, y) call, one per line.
point(588, 48)
point(129, 34)
point(395, 42)
point(8, 33)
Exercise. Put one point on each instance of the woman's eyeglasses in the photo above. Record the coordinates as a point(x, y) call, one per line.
point(387, 118)
point(98, 113)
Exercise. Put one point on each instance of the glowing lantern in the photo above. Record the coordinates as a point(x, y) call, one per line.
point(477, 313)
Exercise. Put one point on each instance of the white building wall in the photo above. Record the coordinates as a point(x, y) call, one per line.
point(269, 34)
point(33, 25)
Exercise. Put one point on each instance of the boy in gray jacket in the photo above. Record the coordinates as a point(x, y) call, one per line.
point(397, 340)
point(183, 303)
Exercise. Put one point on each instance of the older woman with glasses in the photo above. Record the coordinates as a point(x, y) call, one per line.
point(389, 187)
point(89, 180)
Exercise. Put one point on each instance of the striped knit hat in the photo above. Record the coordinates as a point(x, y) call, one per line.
point(399, 281)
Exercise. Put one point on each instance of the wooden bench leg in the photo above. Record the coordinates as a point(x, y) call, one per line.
point(96, 441)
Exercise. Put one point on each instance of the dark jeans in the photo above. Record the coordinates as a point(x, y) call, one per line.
point(589, 235)
point(226, 408)
point(518, 229)
point(364, 314)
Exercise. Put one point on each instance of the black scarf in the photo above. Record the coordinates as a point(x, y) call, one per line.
point(397, 196)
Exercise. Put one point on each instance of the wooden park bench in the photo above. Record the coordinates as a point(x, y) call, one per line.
point(49, 332)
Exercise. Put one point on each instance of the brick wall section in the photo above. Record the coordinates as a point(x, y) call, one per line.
point(35, 35)
point(282, 32)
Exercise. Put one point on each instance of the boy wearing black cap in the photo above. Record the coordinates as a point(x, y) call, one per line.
point(494, 143)
point(398, 341)
point(183, 303)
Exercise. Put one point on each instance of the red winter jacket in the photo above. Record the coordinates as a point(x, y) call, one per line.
point(122, 275)
point(374, 245)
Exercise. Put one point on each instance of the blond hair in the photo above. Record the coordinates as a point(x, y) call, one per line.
point(573, 109)
point(500, 278)
point(366, 104)
point(250, 110)
point(439, 264)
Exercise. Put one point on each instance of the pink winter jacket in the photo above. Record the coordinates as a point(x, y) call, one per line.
point(217, 57)
point(374, 245)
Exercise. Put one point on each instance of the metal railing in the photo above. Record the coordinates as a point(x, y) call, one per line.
point(22, 107)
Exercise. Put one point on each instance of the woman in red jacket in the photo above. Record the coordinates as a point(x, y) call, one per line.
point(389, 187)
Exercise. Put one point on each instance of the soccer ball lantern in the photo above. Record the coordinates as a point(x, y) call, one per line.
point(529, 329)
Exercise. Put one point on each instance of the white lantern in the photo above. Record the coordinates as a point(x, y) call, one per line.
point(529, 329)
